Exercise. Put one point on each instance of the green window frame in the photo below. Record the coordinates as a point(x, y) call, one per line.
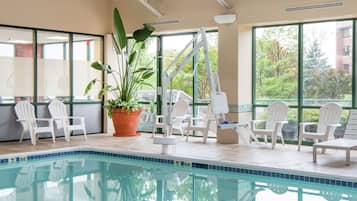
point(300, 107)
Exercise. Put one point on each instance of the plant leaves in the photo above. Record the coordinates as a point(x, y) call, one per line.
point(143, 33)
point(132, 57)
point(147, 75)
point(119, 31)
point(98, 66)
point(142, 69)
point(89, 86)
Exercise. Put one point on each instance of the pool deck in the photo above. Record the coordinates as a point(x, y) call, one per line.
point(282, 157)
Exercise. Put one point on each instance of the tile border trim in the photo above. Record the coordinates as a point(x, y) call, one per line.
point(179, 162)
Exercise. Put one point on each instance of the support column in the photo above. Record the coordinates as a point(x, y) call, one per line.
point(228, 66)
point(245, 74)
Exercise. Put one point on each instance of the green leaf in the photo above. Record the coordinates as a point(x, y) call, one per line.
point(89, 86)
point(142, 69)
point(115, 44)
point(143, 33)
point(147, 75)
point(101, 93)
point(132, 57)
point(98, 66)
point(119, 31)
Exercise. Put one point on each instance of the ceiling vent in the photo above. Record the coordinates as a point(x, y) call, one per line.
point(315, 6)
point(224, 4)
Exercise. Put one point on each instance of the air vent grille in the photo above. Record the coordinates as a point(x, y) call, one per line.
point(315, 6)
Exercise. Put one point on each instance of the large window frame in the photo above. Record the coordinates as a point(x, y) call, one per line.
point(71, 103)
point(196, 102)
point(300, 105)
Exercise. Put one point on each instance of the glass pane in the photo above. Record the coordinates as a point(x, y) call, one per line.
point(290, 130)
point(328, 63)
point(182, 83)
point(312, 115)
point(53, 66)
point(203, 87)
point(276, 64)
point(86, 50)
point(16, 61)
point(148, 59)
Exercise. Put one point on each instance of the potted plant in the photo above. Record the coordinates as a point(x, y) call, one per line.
point(131, 76)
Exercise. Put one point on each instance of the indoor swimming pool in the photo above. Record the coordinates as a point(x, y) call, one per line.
point(96, 176)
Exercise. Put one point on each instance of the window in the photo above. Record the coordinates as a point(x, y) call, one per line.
point(323, 68)
point(16, 61)
point(347, 50)
point(305, 65)
point(182, 83)
point(7, 50)
point(86, 50)
point(277, 71)
point(53, 66)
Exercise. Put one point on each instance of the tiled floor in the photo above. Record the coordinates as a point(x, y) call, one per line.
point(285, 157)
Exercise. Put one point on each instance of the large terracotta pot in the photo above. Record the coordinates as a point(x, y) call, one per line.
point(126, 122)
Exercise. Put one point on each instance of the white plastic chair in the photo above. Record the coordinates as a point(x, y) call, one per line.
point(277, 116)
point(330, 115)
point(59, 114)
point(25, 113)
point(178, 115)
point(351, 126)
point(201, 124)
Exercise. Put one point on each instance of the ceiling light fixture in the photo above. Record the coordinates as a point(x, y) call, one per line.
point(150, 8)
point(315, 6)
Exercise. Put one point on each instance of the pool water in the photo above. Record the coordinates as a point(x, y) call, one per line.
point(90, 177)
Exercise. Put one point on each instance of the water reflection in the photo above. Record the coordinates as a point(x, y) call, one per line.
point(108, 179)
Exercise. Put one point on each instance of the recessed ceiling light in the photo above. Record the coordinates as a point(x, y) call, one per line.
point(58, 37)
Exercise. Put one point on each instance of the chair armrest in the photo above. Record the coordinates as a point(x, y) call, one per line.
point(44, 119)
point(256, 121)
point(308, 123)
point(334, 125)
point(281, 122)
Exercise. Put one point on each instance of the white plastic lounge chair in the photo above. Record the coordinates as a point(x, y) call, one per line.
point(330, 115)
point(200, 124)
point(179, 116)
point(347, 143)
point(58, 170)
point(277, 116)
point(59, 114)
point(25, 113)
point(25, 178)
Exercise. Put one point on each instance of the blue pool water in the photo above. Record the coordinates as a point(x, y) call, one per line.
point(99, 178)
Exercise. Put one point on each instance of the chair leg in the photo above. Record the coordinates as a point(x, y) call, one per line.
point(282, 140)
point(53, 136)
point(273, 141)
point(300, 141)
point(153, 131)
point(33, 137)
point(85, 133)
point(22, 135)
point(66, 134)
point(181, 131)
